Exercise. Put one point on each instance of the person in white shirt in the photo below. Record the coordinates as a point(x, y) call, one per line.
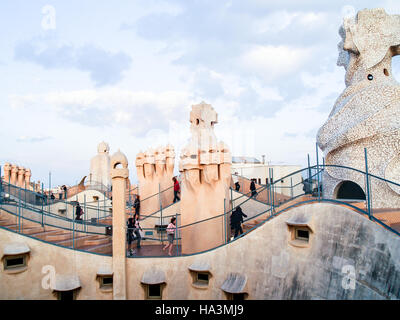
point(171, 235)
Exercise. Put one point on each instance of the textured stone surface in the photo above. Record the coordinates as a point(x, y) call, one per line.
point(19, 176)
point(206, 174)
point(342, 240)
point(66, 282)
point(100, 166)
point(155, 169)
point(15, 248)
point(367, 113)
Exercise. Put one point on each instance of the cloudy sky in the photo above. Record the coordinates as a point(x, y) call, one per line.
point(75, 73)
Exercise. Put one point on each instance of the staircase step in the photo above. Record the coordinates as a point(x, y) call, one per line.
point(59, 237)
point(10, 225)
point(101, 248)
point(77, 241)
point(46, 234)
point(93, 242)
point(33, 230)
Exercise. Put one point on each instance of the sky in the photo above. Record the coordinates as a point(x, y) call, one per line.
point(75, 73)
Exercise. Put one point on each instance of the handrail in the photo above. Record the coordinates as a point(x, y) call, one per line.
point(276, 208)
point(58, 226)
point(55, 244)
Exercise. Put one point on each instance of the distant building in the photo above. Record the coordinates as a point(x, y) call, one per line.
point(254, 169)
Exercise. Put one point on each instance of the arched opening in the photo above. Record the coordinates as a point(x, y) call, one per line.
point(395, 72)
point(350, 190)
point(118, 165)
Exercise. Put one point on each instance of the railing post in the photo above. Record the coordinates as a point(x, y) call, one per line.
point(232, 199)
point(367, 182)
point(104, 201)
point(316, 148)
point(73, 228)
point(161, 219)
point(269, 187)
point(1, 189)
point(322, 176)
point(309, 171)
point(19, 211)
point(49, 198)
point(224, 225)
point(85, 212)
point(176, 234)
point(273, 191)
point(42, 203)
point(291, 187)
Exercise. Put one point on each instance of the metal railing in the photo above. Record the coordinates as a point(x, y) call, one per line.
point(312, 192)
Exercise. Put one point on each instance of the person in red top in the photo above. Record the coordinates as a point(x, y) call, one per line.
point(177, 189)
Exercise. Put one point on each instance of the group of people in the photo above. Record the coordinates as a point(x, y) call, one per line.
point(253, 188)
point(134, 228)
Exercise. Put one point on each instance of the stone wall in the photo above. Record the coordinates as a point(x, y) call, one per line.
point(274, 268)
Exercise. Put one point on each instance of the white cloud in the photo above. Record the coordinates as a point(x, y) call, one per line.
point(139, 110)
point(312, 18)
point(272, 62)
point(274, 22)
point(266, 93)
point(33, 138)
point(278, 21)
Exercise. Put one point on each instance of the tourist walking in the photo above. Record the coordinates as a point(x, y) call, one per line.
point(78, 212)
point(64, 188)
point(237, 220)
point(177, 189)
point(171, 235)
point(237, 186)
point(136, 230)
point(253, 188)
point(236, 182)
point(136, 205)
point(130, 236)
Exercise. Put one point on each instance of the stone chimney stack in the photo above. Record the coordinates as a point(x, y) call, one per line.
point(119, 175)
